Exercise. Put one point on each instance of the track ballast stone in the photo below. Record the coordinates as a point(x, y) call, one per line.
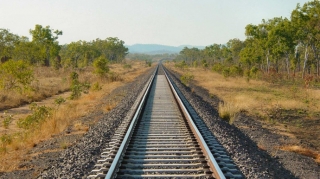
point(78, 160)
point(253, 162)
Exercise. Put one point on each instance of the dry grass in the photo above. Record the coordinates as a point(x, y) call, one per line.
point(303, 151)
point(228, 112)
point(48, 83)
point(67, 114)
point(286, 109)
point(254, 96)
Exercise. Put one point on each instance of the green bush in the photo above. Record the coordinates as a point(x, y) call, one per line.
point(101, 66)
point(186, 78)
point(254, 71)
point(39, 115)
point(5, 139)
point(127, 66)
point(114, 77)
point(76, 87)
point(96, 86)
point(7, 120)
point(236, 71)
point(16, 75)
point(148, 63)
point(195, 64)
point(217, 67)
point(58, 101)
point(226, 72)
point(181, 64)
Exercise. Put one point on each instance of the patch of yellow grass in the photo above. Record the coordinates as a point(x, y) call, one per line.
point(228, 112)
point(303, 151)
point(67, 114)
point(255, 96)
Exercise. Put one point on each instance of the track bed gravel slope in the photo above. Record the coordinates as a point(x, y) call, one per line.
point(50, 161)
point(242, 139)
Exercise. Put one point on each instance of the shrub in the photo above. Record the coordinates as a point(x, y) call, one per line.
point(114, 77)
point(181, 64)
point(217, 67)
point(186, 78)
point(101, 66)
point(127, 66)
point(254, 71)
point(226, 72)
point(148, 63)
point(16, 75)
point(7, 121)
point(228, 112)
point(96, 87)
point(236, 71)
point(76, 87)
point(59, 101)
point(5, 140)
point(195, 64)
point(39, 115)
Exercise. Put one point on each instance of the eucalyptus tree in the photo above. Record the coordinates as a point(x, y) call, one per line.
point(27, 51)
point(235, 46)
point(46, 40)
point(8, 41)
point(307, 22)
point(214, 52)
point(259, 39)
point(252, 54)
point(111, 48)
point(281, 35)
point(190, 55)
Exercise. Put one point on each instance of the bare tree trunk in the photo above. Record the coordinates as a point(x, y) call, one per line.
point(287, 65)
point(47, 60)
point(268, 63)
point(316, 57)
point(306, 54)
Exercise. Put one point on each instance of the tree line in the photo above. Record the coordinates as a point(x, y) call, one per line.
point(44, 49)
point(289, 47)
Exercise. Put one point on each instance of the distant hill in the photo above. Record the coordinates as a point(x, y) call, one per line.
point(157, 49)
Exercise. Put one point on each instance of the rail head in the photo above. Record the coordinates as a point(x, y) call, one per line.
point(116, 161)
point(211, 160)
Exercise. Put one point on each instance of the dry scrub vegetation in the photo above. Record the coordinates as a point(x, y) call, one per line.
point(294, 109)
point(62, 112)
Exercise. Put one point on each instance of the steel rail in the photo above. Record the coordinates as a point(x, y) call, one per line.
point(205, 149)
point(114, 165)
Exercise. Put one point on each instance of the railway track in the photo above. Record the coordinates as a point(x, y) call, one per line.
point(163, 139)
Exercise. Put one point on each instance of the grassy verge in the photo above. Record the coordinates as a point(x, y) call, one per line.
point(14, 144)
point(294, 108)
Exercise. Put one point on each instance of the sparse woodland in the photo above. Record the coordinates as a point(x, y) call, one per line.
point(276, 49)
point(273, 75)
point(36, 69)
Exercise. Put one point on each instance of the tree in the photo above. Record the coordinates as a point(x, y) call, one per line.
point(235, 46)
point(27, 51)
point(282, 35)
point(259, 35)
point(306, 21)
point(111, 48)
point(46, 40)
point(15, 75)
point(101, 66)
point(7, 44)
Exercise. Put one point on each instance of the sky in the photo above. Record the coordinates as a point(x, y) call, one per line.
point(166, 22)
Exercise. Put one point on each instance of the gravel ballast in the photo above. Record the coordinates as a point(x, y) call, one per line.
point(242, 144)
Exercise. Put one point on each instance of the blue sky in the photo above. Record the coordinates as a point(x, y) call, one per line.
point(167, 22)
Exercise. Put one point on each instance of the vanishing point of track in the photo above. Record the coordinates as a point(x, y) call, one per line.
point(163, 139)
